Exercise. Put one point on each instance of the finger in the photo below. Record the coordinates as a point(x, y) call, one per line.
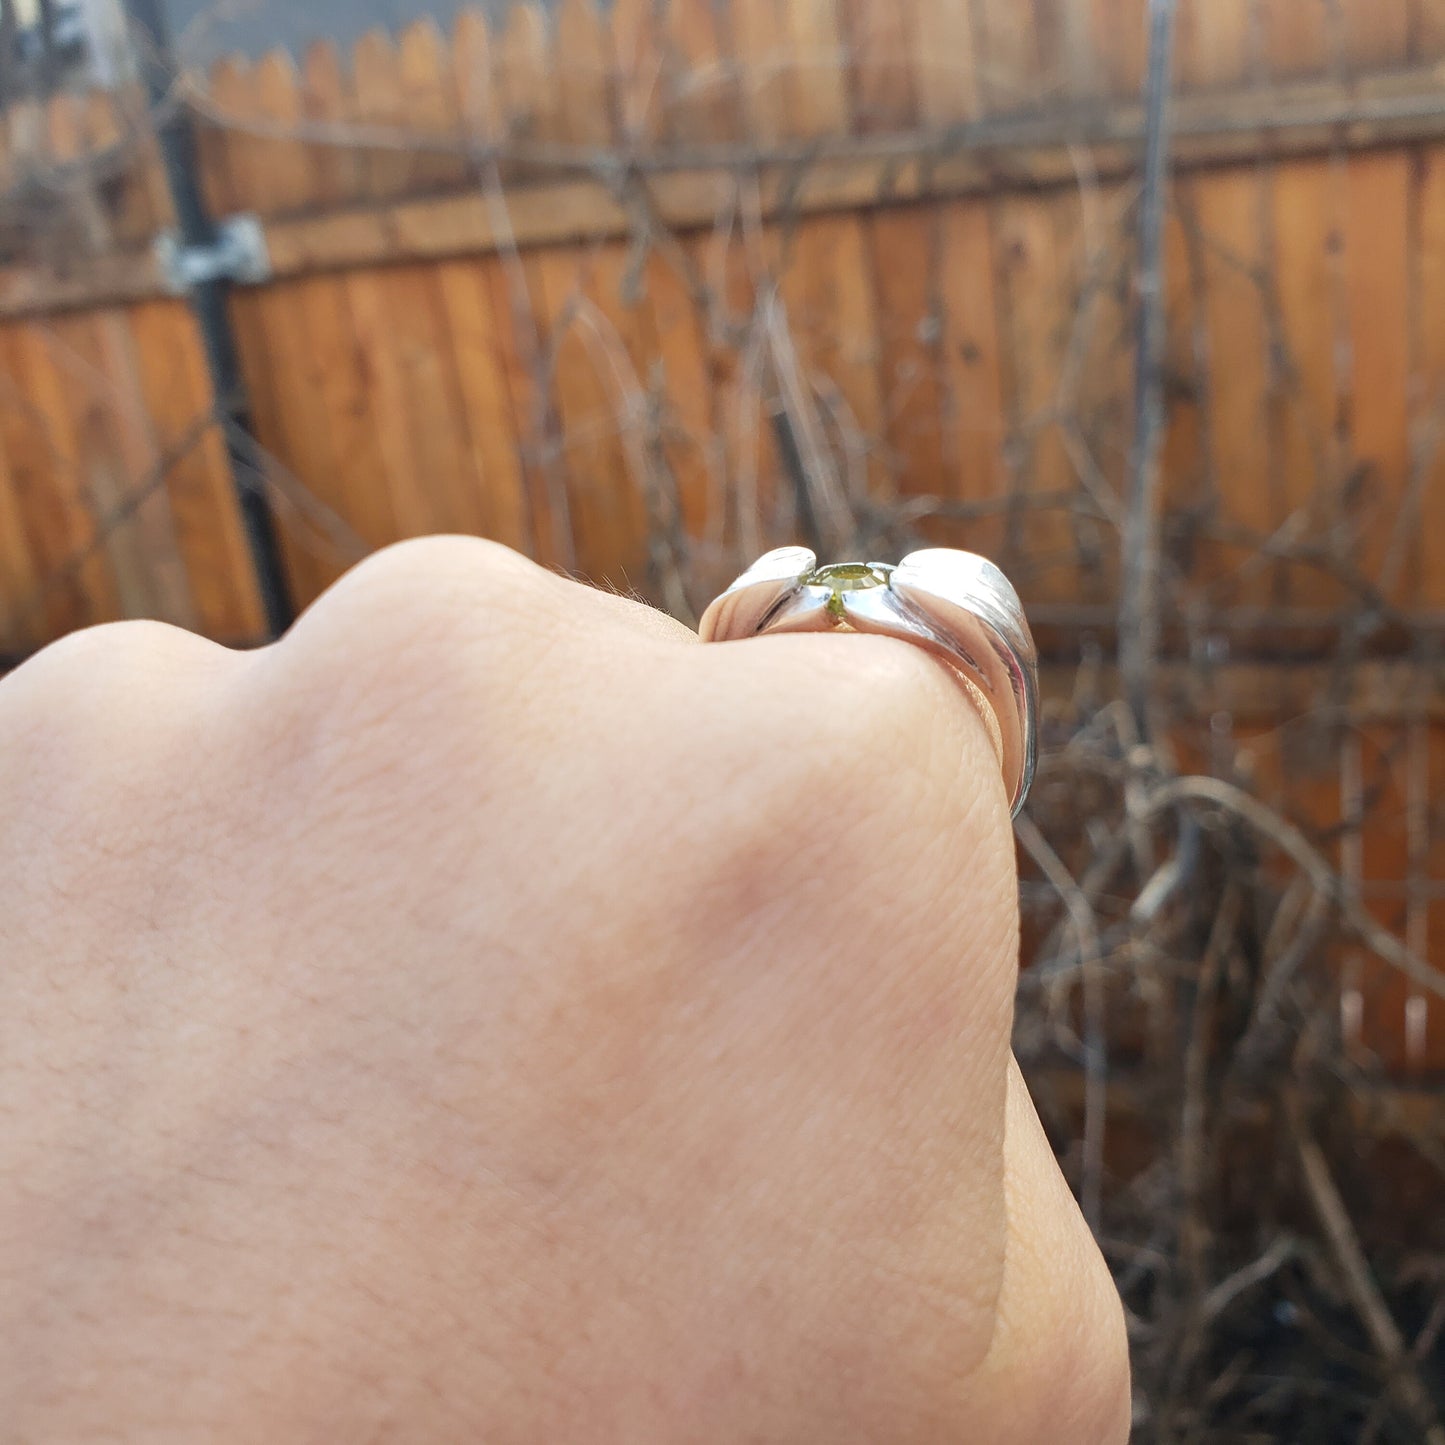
point(889, 879)
point(1058, 1368)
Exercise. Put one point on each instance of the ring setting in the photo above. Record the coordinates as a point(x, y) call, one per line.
point(956, 605)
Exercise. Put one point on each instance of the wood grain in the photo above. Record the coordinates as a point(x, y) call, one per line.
point(703, 84)
point(379, 105)
point(431, 108)
point(1377, 305)
point(1037, 268)
point(586, 75)
point(974, 424)
point(1428, 316)
point(1307, 405)
point(881, 53)
point(481, 365)
point(909, 330)
point(1246, 494)
point(522, 72)
point(603, 492)
point(47, 472)
point(176, 387)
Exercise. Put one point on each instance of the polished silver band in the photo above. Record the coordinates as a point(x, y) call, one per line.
point(958, 606)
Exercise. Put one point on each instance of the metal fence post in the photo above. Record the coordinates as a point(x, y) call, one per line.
point(9, 54)
point(197, 230)
point(49, 61)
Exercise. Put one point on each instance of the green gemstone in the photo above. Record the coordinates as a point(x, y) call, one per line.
point(844, 577)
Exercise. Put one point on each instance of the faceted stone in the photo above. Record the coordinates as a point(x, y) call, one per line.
point(844, 577)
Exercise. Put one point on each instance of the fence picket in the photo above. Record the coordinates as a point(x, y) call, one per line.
point(1304, 200)
point(585, 74)
point(46, 471)
point(974, 429)
point(880, 50)
point(703, 81)
point(430, 105)
point(523, 71)
point(491, 423)
point(1429, 317)
point(1377, 302)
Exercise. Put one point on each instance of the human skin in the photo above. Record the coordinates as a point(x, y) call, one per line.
point(489, 1014)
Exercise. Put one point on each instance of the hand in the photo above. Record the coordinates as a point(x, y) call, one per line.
point(489, 1014)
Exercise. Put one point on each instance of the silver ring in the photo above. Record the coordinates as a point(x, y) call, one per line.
point(958, 606)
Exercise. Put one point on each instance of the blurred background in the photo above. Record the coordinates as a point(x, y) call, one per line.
point(1145, 299)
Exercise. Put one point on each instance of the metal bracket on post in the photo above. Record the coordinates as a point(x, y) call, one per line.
point(239, 255)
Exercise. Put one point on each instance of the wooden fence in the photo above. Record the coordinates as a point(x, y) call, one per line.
point(644, 290)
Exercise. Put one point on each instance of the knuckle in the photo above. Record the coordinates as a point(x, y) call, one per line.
point(90, 674)
point(427, 588)
point(423, 658)
point(96, 728)
point(412, 618)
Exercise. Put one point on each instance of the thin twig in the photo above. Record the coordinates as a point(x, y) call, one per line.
point(1139, 613)
point(1268, 823)
point(1359, 1282)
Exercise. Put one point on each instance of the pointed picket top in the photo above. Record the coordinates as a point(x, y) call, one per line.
point(374, 68)
point(229, 90)
point(429, 86)
point(321, 59)
point(638, 55)
point(375, 75)
point(284, 166)
point(326, 101)
point(277, 69)
point(230, 75)
point(381, 106)
point(585, 74)
point(705, 104)
point(478, 103)
point(426, 68)
point(228, 168)
point(819, 79)
point(944, 74)
point(764, 63)
point(524, 76)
